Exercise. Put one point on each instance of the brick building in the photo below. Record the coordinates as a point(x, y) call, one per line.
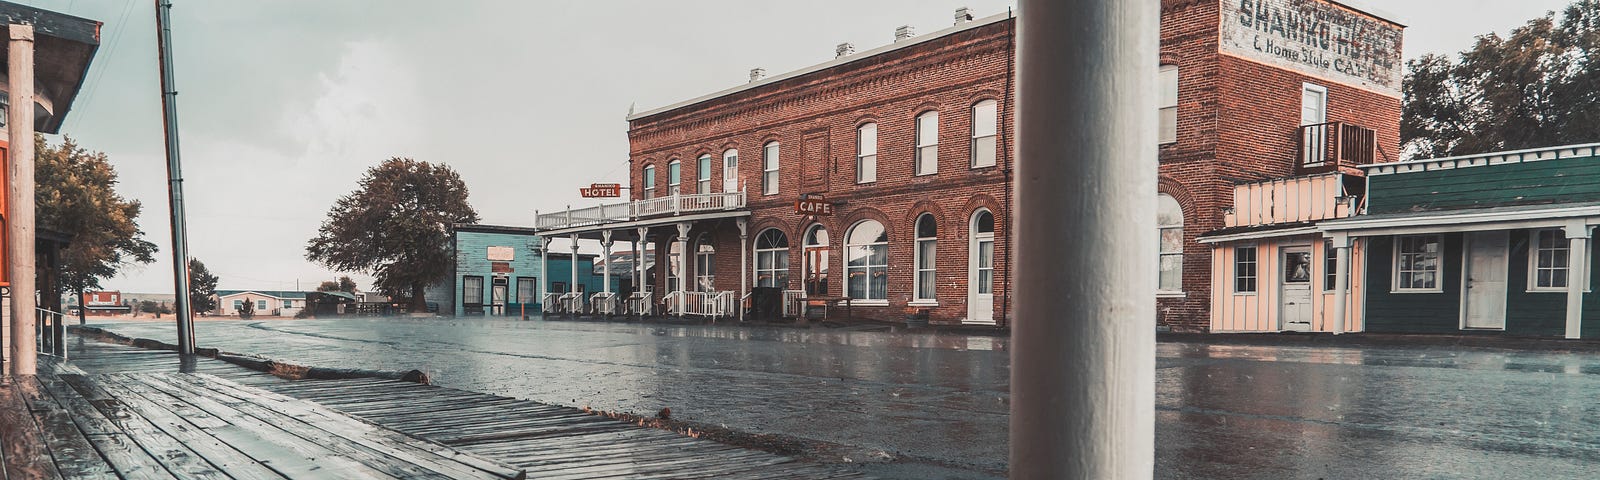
point(909, 145)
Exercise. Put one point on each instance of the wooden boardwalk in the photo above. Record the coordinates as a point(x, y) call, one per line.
point(462, 427)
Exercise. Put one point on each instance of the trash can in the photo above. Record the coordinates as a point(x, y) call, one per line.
point(766, 303)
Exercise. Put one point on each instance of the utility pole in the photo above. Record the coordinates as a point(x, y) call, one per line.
point(1083, 344)
point(180, 236)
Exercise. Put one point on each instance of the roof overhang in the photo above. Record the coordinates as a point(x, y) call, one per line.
point(63, 47)
point(1471, 220)
point(1260, 234)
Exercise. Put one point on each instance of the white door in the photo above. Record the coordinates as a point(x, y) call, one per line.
point(1313, 105)
point(1487, 261)
point(980, 270)
point(730, 171)
point(1294, 286)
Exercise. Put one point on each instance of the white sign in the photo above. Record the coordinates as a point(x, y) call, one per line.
point(1318, 38)
point(502, 254)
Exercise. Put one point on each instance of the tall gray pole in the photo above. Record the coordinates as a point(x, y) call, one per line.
point(180, 236)
point(19, 204)
point(1083, 344)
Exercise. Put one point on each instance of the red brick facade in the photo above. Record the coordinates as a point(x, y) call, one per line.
point(1236, 122)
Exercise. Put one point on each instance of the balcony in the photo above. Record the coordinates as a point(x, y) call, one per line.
point(639, 209)
point(1334, 147)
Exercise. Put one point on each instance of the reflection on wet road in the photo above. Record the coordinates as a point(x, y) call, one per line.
point(1222, 411)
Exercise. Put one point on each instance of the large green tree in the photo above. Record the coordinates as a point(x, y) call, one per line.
point(202, 287)
point(76, 195)
point(396, 227)
point(343, 284)
point(1537, 86)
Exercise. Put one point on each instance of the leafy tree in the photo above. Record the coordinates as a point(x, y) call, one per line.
point(202, 287)
point(76, 195)
point(1534, 87)
point(396, 227)
point(247, 310)
point(343, 284)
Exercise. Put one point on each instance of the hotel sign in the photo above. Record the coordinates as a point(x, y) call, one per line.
point(601, 190)
point(1316, 37)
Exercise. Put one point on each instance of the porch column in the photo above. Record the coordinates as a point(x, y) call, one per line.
point(573, 287)
point(683, 261)
point(19, 204)
point(543, 284)
point(1577, 260)
point(744, 263)
point(605, 249)
point(1341, 279)
point(638, 259)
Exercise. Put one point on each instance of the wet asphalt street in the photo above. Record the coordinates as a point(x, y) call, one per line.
point(938, 402)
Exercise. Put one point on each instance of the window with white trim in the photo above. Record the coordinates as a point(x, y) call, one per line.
point(674, 177)
point(1549, 258)
point(649, 181)
point(705, 267)
point(238, 305)
point(772, 259)
point(261, 305)
point(927, 143)
point(702, 172)
point(1313, 104)
point(1417, 260)
point(1244, 269)
point(926, 251)
point(867, 261)
point(1330, 266)
point(769, 169)
point(1169, 219)
point(867, 153)
point(985, 133)
point(1168, 107)
point(730, 170)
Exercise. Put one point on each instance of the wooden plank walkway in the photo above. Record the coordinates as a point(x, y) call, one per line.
point(545, 441)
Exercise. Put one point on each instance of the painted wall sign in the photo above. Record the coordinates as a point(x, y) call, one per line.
point(601, 190)
point(1318, 38)
point(502, 254)
point(813, 206)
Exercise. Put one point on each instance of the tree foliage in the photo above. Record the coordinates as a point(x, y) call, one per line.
point(202, 287)
point(76, 195)
point(343, 284)
point(395, 226)
point(1538, 86)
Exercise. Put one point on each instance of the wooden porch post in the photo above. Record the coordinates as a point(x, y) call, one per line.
point(19, 204)
point(544, 273)
point(573, 287)
point(683, 262)
point(1577, 258)
point(1341, 280)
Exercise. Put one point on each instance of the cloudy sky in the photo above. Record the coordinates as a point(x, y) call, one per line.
point(284, 103)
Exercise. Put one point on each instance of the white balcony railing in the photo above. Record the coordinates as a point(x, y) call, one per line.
point(603, 303)
point(789, 297)
point(711, 305)
point(622, 212)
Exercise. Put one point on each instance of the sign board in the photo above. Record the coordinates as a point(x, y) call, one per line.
point(1318, 38)
point(813, 206)
point(501, 267)
point(502, 254)
point(601, 190)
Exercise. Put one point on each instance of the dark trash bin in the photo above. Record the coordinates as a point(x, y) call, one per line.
point(766, 303)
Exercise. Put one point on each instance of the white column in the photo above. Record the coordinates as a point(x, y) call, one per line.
point(683, 262)
point(744, 263)
point(605, 249)
point(1341, 281)
point(1083, 343)
point(573, 287)
point(543, 285)
point(638, 258)
point(19, 201)
point(1577, 261)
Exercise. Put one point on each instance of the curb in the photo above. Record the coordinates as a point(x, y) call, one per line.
point(281, 369)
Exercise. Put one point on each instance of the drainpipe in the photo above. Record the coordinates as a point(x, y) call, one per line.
point(1083, 344)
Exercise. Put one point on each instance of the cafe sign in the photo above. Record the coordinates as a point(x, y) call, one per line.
point(813, 205)
point(601, 190)
point(1317, 37)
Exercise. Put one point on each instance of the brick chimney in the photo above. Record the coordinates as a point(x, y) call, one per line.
point(903, 33)
point(963, 15)
point(843, 49)
point(756, 74)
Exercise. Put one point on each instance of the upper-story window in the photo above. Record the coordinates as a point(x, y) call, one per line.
point(730, 170)
point(1313, 104)
point(985, 132)
point(927, 143)
point(867, 153)
point(702, 174)
point(674, 177)
point(769, 169)
point(1169, 104)
point(650, 181)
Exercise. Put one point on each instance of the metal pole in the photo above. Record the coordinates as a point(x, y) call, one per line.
point(19, 204)
point(1083, 343)
point(180, 236)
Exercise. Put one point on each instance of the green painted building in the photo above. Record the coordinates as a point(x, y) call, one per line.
point(497, 272)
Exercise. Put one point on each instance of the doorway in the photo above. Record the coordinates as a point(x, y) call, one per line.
point(1294, 289)
point(980, 269)
point(1487, 263)
point(497, 296)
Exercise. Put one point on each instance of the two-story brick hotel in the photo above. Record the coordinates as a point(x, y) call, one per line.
point(884, 176)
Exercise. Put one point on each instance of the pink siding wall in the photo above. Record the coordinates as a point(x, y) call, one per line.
point(1298, 199)
point(1259, 312)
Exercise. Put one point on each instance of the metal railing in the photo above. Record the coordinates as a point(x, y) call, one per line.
point(1325, 147)
point(622, 212)
point(639, 304)
point(50, 332)
point(603, 303)
point(789, 297)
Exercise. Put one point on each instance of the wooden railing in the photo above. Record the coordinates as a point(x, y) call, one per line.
point(603, 303)
point(1328, 147)
point(622, 212)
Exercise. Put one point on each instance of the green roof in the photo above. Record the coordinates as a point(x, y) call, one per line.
point(281, 294)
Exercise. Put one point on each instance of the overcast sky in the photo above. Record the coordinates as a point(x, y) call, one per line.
point(283, 104)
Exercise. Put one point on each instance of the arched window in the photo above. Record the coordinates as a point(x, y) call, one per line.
point(1169, 104)
point(702, 174)
point(815, 255)
point(769, 169)
point(649, 181)
point(674, 177)
point(867, 153)
point(927, 246)
point(928, 143)
point(1169, 218)
point(705, 266)
point(985, 133)
point(867, 251)
point(730, 170)
point(772, 259)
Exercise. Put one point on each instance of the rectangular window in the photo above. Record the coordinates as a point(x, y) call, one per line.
point(986, 267)
point(1417, 263)
point(867, 153)
point(650, 182)
point(527, 290)
point(1549, 262)
point(702, 171)
point(1169, 104)
point(1313, 104)
point(1330, 266)
point(558, 287)
point(472, 290)
point(925, 269)
point(985, 133)
point(674, 177)
point(1170, 278)
point(772, 268)
point(1244, 270)
point(238, 305)
point(769, 169)
point(288, 304)
point(928, 144)
point(261, 305)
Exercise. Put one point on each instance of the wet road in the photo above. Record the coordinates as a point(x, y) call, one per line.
point(940, 401)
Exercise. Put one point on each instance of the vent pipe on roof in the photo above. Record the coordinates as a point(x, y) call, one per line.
point(963, 15)
point(903, 33)
point(843, 49)
point(756, 74)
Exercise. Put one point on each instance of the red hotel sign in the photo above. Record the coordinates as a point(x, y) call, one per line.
point(813, 206)
point(601, 190)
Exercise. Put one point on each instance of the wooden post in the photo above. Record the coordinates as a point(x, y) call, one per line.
point(1341, 281)
point(1577, 259)
point(19, 204)
point(543, 283)
point(1083, 343)
point(573, 268)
